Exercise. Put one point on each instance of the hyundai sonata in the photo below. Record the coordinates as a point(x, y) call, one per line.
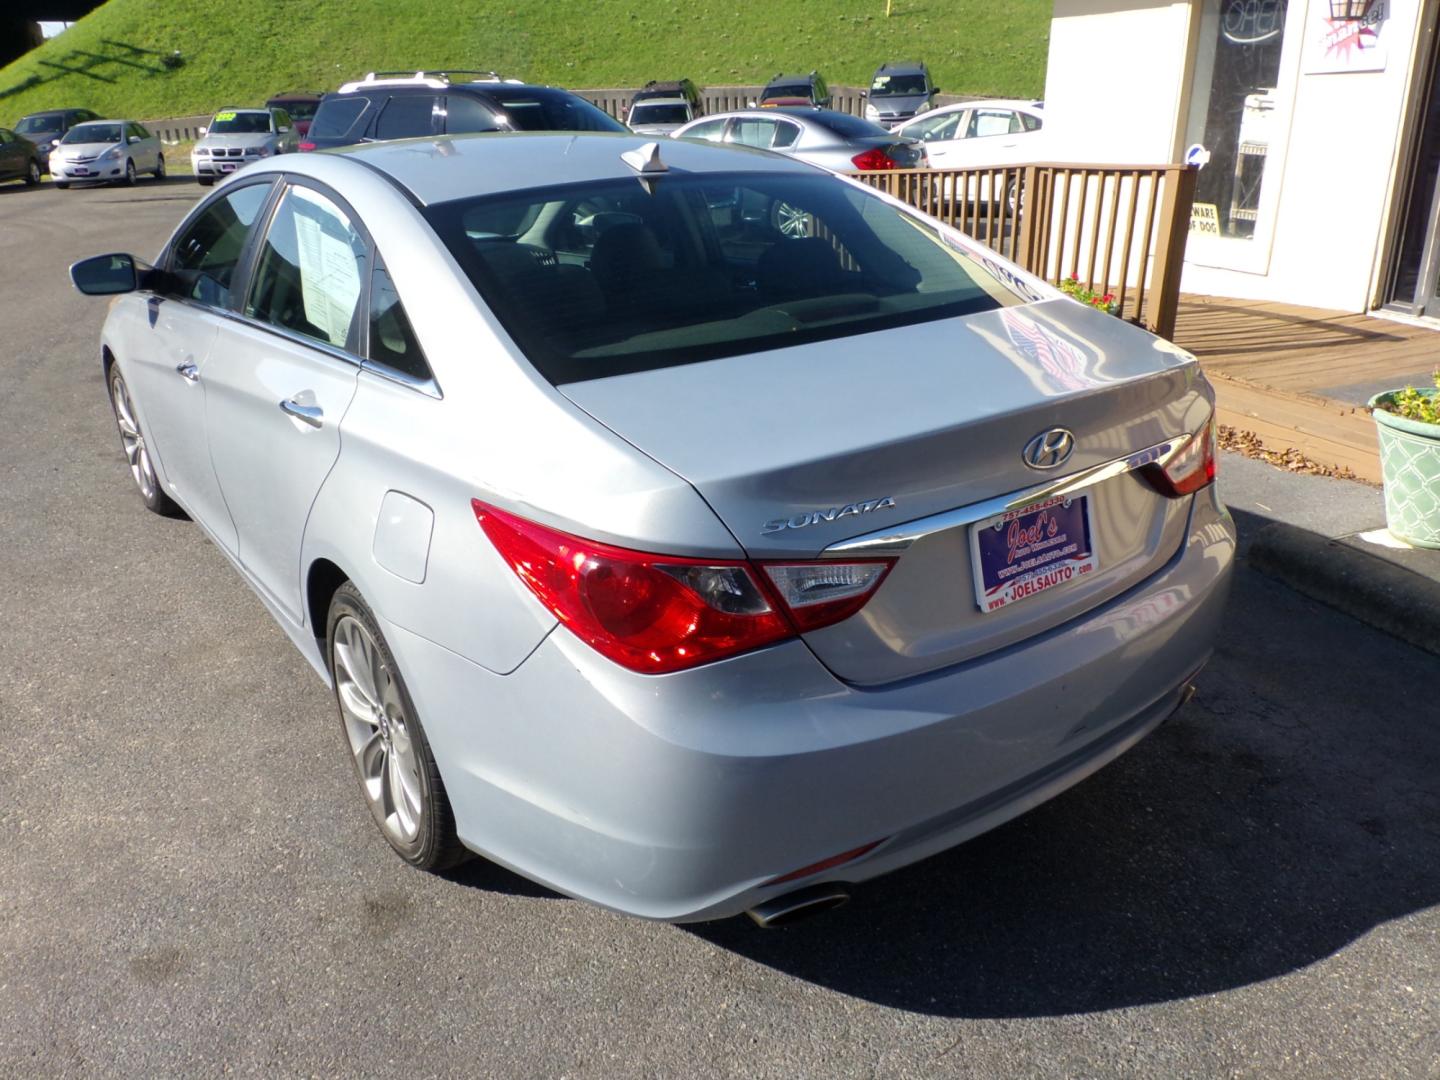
point(683, 563)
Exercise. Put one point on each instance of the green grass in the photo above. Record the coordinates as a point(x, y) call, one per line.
point(241, 51)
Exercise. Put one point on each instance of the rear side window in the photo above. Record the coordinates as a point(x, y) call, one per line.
point(392, 340)
point(205, 254)
point(465, 114)
point(1032, 123)
point(603, 278)
point(339, 117)
point(407, 116)
point(310, 269)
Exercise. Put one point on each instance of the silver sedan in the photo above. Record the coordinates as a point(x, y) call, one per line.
point(684, 564)
point(834, 140)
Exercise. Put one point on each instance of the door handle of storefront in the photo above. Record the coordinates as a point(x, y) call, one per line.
point(188, 371)
point(306, 414)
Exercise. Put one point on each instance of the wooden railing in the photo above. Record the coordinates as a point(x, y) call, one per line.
point(1118, 229)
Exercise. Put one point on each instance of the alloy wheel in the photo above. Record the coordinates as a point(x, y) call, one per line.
point(792, 221)
point(137, 455)
point(378, 730)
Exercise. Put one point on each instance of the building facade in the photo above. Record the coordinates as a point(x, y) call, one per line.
point(1317, 137)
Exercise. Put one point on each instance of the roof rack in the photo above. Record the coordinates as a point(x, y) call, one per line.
point(436, 79)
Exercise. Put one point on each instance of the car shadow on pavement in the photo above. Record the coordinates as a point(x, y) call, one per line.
point(1289, 809)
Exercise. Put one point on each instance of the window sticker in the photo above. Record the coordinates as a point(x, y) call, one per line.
point(329, 265)
point(221, 117)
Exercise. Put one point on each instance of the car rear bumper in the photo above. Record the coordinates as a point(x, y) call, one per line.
point(678, 797)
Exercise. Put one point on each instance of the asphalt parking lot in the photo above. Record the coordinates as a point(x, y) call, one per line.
point(189, 882)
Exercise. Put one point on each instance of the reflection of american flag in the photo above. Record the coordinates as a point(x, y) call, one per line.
point(1061, 359)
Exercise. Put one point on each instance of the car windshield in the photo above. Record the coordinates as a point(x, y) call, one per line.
point(543, 110)
point(783, 90)
point(40, 125)
point(94, 133)
point(235, 122)
point(298, 110)
point(605, 278)
point(899, 86)
point(645, 113)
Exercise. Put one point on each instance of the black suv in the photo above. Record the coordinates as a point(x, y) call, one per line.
point(45, 129)
point(899, 91)
point(796, 90)
point(386, 105)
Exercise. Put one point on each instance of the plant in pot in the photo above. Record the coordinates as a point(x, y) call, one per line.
point(1408, 423)
point(1072, 288)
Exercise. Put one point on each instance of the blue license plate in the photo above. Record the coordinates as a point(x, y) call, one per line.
point(1022, 553)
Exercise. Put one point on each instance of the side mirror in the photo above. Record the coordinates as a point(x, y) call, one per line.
point(133, 139)
point(203, 130)
point(750, 104)
point(284, 128)
point(105, 275)
point(934, 90)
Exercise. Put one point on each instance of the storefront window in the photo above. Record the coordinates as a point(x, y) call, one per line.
point(1233, 113)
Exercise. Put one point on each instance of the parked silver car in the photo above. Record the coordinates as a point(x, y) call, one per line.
point(834, 140)
point(681, 564)
point(106, 150)
point(235, 138)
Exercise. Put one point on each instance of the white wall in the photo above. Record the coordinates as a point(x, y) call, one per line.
point(1115, 80)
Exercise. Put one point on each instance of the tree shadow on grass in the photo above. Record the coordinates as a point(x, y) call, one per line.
point(117, 62)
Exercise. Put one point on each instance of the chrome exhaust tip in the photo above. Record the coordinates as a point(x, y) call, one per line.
point(797, 905)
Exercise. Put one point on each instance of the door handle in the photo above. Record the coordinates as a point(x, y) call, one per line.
point(308, 414)
point(189, 371)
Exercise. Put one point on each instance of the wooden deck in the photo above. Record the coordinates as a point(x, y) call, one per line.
point(1299, 377)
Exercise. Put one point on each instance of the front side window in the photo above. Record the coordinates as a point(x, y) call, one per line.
point(534, 109)
point(602, 278)
point(338, 117)
point(407, 117)
point(466, 115)
point(311, 265)
point(392, 342)
point(206, 252)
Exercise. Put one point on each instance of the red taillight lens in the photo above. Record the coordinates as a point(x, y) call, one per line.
point(872, 159)
point(305, 146)
point(827, 864)
point(1192, 469)
point(661, 613)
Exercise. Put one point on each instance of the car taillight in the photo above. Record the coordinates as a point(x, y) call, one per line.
point(1189, 470)
point(661, 613)
point(305, 146)
point(872, 159)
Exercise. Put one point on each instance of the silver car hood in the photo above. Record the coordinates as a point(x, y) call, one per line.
point(87, 149)
point(240, 139)
point(931, 416)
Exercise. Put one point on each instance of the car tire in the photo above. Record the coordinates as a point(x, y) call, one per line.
point(160, 167)
point(137, 453)
point(129, 172)
point(205, 181)
point(62, 184)
point(398, 777)
point(32, 174)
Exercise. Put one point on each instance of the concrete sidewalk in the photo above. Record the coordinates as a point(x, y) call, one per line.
point(1326, 539)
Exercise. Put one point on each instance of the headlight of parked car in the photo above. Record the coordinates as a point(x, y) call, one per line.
point(872, 113)
point(201, 151)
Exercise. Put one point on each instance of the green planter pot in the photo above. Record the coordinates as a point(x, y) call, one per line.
point(1410, 466)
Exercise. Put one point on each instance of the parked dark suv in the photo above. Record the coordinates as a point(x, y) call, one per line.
point(389, 106)
point(795, 90)
point(45, 129)
point(898, 92)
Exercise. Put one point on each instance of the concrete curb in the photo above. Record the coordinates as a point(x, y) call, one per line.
point(1373, 590)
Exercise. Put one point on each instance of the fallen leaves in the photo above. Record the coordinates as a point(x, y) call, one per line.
point(1289, 459)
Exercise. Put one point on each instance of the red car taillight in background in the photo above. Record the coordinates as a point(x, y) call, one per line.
point(660, 613)
point(873, 159)
point(305, 146)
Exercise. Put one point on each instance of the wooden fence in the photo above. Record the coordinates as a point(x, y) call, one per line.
point(718, 99)
point(1119, 229)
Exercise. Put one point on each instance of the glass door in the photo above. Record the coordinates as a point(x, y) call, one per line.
point(1415, 279)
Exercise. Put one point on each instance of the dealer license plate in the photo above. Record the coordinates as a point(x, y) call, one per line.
point(227, 166)
point(79, 172)
point(1022, 553)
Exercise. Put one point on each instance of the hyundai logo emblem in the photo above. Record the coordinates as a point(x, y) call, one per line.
point(1050, 449)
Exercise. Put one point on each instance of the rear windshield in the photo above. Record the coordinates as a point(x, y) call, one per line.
point(299, 110)
point(40, 125)
point(94, 133)
point(847, 126)
point(604, 278)
point(659, 114)
point(232, 122)
point(551, 110)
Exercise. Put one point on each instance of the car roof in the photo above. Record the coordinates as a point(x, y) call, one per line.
point(436, 170)
point(662, 101)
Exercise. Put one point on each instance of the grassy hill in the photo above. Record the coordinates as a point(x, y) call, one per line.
point(240, 51)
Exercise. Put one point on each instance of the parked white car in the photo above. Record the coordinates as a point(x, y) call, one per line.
point(106, 150)
point(979, 133)
point(235, 138)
